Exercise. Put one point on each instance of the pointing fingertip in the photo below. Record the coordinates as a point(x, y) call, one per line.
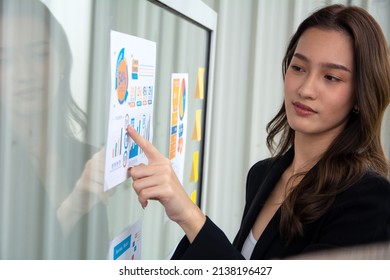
point(129, 170)
point(130, 128)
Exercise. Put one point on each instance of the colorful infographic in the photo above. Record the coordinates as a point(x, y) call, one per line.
point(133, 67)
point(127, 246)
point(178, 127)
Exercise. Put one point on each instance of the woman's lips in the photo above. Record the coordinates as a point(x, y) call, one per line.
point(303, 109)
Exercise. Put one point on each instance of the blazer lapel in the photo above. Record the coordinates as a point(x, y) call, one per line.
point(264, 190)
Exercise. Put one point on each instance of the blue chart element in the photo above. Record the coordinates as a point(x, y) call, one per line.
point(126, 140)
point(147, 134)
point(150, 95)
point(174, 130)
point(181, 130)
point(134, 146)
point(122, 247)
point(117, 149)
point(133, 150)
point(120, 147)
point(182, 99)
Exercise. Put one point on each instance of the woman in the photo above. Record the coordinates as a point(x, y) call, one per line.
point(325, 187)
point(45, 184)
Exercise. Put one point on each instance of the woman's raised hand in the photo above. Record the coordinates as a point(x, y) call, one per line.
point(158, 181)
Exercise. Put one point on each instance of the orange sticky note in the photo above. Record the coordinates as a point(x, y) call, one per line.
point(197, 132)
point(199, 90)
point(194, 169)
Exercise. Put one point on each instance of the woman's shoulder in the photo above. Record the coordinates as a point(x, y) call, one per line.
point(372, 181)
point(261, 164)
point(364, 208)
point(370, 189)
point(259, 170)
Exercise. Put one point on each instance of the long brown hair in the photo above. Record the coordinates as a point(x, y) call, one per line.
point(357, 149)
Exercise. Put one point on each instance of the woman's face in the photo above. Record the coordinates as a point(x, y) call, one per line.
point(319, 83)
point(27, 64)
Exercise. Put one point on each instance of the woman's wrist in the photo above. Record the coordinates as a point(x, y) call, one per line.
point(194, 223)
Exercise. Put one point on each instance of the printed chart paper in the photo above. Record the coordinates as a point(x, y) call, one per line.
point(127, 246)
point(133, 66)
point(178, 127)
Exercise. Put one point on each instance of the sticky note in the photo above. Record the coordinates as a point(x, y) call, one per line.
point(199, 90)
point(194, 169)
point(193, 196)
point(197, 132)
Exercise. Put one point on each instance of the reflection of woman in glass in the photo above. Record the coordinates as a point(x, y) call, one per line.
point(45, 192)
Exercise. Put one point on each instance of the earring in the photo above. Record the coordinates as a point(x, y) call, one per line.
point(355, 110)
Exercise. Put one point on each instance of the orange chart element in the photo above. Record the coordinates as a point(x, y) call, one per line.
point(122, 81)
point(174, 118)
point(175, 99)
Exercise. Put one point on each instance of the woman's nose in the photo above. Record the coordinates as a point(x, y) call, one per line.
point(309, 87)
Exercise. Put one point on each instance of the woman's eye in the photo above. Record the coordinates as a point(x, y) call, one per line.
point(296, 68)
point(332, 78)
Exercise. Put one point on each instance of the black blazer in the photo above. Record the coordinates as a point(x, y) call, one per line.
point(360, 215)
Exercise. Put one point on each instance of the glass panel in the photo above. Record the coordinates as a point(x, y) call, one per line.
point(45, 184)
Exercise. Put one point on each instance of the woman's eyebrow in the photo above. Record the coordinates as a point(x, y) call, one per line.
point(325, 64)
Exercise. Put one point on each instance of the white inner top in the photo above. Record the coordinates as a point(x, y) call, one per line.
point(249, 245)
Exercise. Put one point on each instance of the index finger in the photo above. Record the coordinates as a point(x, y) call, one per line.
point(150, 151)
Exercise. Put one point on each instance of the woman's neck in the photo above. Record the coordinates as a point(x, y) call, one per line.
point(308, 151)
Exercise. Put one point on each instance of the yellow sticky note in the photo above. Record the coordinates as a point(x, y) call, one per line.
point(193, 196)
point(199, 90)
point(194, 169)
point(197, 132)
